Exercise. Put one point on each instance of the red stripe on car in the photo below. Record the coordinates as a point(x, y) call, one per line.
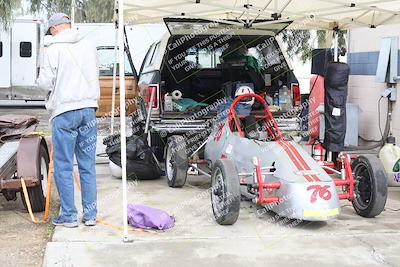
point(294, 160)
point(301, 160)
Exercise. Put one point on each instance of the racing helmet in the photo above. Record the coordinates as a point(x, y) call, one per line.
point(243, 90)
point(115, 170)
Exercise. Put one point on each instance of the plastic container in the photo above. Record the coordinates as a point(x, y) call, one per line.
point(389, 155)
point(276, 99)
point(390, 158)
point(285, 99)
point(168, 102)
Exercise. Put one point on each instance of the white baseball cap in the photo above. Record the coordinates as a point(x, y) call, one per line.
point(57, 19)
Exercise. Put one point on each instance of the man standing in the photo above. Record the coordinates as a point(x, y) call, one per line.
point(70, 74)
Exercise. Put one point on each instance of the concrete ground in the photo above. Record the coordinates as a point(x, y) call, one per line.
point(197, 240)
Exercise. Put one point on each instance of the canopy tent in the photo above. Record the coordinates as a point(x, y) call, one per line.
point(305, 14)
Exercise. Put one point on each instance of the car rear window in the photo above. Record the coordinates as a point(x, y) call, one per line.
point(106, 62)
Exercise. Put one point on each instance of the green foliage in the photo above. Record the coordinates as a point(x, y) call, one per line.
point(85, 10)
point(50, 6)
point(94, 11)
point(6, 11)
point(300, 43)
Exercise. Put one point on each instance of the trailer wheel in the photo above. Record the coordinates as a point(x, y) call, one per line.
point(37, 194)
point(370, 186)
point(225, 192)
point(176, 161)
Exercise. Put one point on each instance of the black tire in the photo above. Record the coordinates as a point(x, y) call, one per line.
point(36, 195)
point(176, 161)
point(370, 186)
point(157, 145)
point(225, 192)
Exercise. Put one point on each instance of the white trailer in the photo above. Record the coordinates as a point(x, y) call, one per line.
point(19, 60)
point(21, 46)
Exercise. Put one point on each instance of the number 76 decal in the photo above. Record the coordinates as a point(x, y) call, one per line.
point(319, 191)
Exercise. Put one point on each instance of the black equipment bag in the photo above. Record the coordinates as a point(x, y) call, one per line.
point(336, 79)
point(140, 163)
point(320, 60)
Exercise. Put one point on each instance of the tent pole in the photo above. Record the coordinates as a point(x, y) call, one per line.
point(121, 52)
point(335, 45)
point(72, 13)
point(114, 84)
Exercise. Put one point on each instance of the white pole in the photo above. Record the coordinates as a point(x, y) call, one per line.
point(121, 61)
point(72, 13)
point(335, 46)
point(114, 85)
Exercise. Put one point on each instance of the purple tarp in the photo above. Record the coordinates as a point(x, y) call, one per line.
point(140, 216)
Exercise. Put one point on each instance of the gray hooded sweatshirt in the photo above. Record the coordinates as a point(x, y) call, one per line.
point(69, 73)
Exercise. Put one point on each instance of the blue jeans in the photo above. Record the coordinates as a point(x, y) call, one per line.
point(75, 132)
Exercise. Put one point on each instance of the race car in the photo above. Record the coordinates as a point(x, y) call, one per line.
point(247, 157)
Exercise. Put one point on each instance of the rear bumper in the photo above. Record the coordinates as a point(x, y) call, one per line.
point(178, 126)
point(15, 184)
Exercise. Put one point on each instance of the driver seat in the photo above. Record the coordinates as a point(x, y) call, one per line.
point(250, 127)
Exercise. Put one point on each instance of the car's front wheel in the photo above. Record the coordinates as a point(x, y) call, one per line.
point(370, 186)
point(225, 192)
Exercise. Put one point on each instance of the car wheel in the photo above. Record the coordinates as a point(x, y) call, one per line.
point(370, 186)
point(225, 192)
point(37, 194)
point(176, 161)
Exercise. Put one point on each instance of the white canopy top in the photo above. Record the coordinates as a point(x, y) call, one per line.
point(306, 14)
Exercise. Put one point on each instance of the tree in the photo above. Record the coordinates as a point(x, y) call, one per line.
point(94, 11)
point(50, 6)
point(301, 42)
point(85, 10)
point(7, 7)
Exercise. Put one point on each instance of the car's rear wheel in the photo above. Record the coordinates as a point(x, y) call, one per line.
point(176, 161)
point(370, 186)
point(37, 194)
point(225, 192)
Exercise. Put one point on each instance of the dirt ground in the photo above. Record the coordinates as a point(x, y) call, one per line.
point(22, 242)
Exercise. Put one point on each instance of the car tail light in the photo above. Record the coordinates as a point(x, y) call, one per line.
point(153, 87)
point(296, 94)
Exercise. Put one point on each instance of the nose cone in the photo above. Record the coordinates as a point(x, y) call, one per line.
point(316, 201)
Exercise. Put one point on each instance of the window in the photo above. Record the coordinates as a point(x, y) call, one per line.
point(25, 49)
point(154, 56)
point(1, 49)
point(203, 58)
point(149, 56)
point(267, 55)
point(106, 62)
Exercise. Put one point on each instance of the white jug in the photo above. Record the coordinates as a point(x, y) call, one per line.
point(390, 157)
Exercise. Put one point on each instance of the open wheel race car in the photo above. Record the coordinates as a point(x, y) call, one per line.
point(247, 157)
